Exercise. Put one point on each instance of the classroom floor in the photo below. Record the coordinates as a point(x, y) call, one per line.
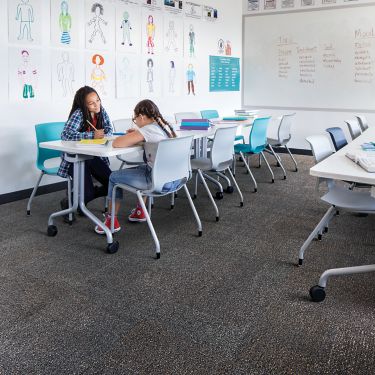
point(230, 302)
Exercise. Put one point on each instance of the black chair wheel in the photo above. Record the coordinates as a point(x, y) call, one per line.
point(273, 180)
point(229, 189)
point(217, 218)
point(320, 237)
point(317, 293)
point(325, 229)
point(51, 230)
point(195, 196)
point(28, 213)
point(152, 206)
point(255, 190)
point(175, 195)
point(300, 262)
point(157, 256)
point(172, 206)
point(241, 204)
point(296, 170)
point(277, 164)
point(200, 233)
point(284, 177)
point(219, 195)
point(112, 248)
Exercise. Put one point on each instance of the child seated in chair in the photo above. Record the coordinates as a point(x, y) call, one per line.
point(152, 128)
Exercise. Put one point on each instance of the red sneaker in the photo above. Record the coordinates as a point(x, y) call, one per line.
point(107, 223)
point(137, 214)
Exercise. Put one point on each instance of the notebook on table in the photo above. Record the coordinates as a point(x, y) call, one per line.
point(93, 142)
point(364, 159)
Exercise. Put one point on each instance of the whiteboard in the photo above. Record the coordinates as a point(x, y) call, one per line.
point(322, 59)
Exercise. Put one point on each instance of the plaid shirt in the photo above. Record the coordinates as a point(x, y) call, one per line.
point(74, 130)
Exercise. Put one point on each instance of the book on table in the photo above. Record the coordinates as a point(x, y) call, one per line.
point(194, 124)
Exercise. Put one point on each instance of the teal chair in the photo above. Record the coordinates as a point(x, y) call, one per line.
point(50, 131)
point(256, 146)
point(213, 113)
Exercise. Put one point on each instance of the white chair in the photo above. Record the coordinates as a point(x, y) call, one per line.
point(362, 121)
point(172, 163)
point(283, 137)
point(354, 128)
point(130, 160)
point(219, 161)
point(179, 116)
point(339, 198)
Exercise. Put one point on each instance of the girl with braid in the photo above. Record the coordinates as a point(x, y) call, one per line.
point(151, 129)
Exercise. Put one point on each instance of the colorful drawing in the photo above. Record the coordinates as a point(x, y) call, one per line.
point(191, 41)
point(150, 75)
point(172, 76)
point(220, 46)
point(126, 27)
point(98, 10)
point(228, 48)
point(65, 23)
point(65, 74)
point(98, 76)
point(150, 31)
point(25, 16)
point(190, 76)
point(27, 75)
point(171, 38)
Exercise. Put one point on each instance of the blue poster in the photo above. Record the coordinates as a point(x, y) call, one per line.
point(224, 73)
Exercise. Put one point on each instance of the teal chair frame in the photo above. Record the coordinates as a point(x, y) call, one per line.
point(50, 131)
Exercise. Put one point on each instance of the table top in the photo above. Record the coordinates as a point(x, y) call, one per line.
point(340, 167)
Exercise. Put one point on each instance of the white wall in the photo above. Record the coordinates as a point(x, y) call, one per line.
point(308, 122)
point(18, 152)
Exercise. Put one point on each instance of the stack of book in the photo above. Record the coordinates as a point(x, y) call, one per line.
point(195, 124)
point(245, 112)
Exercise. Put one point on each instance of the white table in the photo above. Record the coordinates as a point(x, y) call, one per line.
point(340, 167)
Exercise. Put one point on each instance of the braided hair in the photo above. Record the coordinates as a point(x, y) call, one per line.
point(79, 102)
point(149, 108)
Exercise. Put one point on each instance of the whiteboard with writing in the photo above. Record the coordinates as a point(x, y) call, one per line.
point(315, 59)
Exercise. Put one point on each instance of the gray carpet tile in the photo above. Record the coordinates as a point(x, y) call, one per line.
point(230, 302)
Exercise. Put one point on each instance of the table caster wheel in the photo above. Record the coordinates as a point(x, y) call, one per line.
point(317, 293)
point(229, 190)
point(219, 195)
point(112, 247)
point(52, 230)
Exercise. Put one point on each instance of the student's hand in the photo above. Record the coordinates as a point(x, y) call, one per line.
point(131, 130)
point(99, 134)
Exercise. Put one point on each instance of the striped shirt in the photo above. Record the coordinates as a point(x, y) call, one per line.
point(74, 130)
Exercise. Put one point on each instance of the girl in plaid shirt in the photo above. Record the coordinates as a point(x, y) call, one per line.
point(87, 108)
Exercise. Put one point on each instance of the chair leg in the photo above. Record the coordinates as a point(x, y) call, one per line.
point(294, 160)
point(215, 182)
point(196, 185)
point(322, 223)
point(278, 160)
point(172, 201)
point(151, 227)
point(209, 193)
point(234, 165)
point(70, 216)
point(150, 202)
point(251, 175)
point(28, 209)
point(268, 166)
point(224, 177)
point(260, 161)
point(194, 210)
point(237, 187)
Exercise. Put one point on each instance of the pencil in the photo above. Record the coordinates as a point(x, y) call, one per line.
point(92, 125)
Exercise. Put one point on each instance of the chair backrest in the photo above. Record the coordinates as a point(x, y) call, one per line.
point(320, 146)
point(209, 114)
point(362, 121)
point(223, 146)
point(186, 115)
point(354, 128)
point(122, 125)
point(172, 162)
point(338, 137)
point(258, 134)
point(284, 133)
point(50, 131)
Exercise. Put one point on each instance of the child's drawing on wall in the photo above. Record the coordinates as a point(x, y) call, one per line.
point(150, 75)
point(150, 32)
point(65, 23)
point(172, 76)
point(98, 76)
point(126, 27)
point(228, 48)
point(27, 75)
point(98, 10)
point(171, 36)
point(25, 16)
point(190, 77)
point(191, 41)
point(65, 74)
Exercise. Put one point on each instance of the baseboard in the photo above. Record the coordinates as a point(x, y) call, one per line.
point(22, 194)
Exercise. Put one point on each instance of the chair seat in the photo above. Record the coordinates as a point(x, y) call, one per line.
point(341, 197)
point(50, 171)
point(275, 142)
point(239, 138)
point(247, 149)
point(133, 158)
point(205, 164)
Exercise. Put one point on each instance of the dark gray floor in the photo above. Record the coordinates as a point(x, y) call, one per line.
point(230, 302)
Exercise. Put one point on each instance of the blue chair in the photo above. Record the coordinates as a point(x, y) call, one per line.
point(213, 113)
point(338, 137)
point(256, 146)
point(50, 131)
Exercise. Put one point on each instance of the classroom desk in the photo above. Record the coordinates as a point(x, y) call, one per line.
point(340, 167)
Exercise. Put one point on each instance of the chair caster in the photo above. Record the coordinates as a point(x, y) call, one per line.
point(229, 189)
point(172, 206)
point(51, 230)
point(152, 206)
point(296, 170)
point(175, 195)
point(219, 195)
point(241, 204)
point(28, 213)
point(157, 256)
point(200, 233)
point(255, 190)
point(320, 237)
point(284, 177)
point(300, 262)
point(273, 180)
point(325, 229)
point(195, 196)
point(112, 247)
point(217, 218)
point(317, 293)
point(277, 164)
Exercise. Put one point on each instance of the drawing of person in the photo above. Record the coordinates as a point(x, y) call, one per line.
point(221, 46)
point(171, 36)
point(150, 30)
point(150, 75)
point(172, 76)
point(65, 23)
point(98, 76)
point(65, 74)
point(27, 75)
point(98, 11)
point(25, 14)
point(191, 41)
point(126, 27)
point(190, 76)
point(228, 48)
point(126, 73)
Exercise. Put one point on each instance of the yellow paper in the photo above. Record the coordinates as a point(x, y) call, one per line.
point(101, 141)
